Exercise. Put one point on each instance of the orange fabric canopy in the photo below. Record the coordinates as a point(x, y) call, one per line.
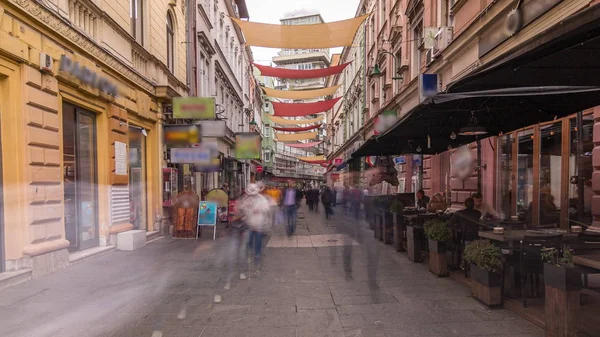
point(314, 36)
point(284, 121)
point(300, 94)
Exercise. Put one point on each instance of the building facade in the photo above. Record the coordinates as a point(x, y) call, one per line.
point(286, 164)
point(452, 39)
point(220, 68)
point(83, 86)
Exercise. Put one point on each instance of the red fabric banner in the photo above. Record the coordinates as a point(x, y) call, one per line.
point(320, 162)
point(302, 109)
point(303, 145)
point(305, 128)
point(295, 74)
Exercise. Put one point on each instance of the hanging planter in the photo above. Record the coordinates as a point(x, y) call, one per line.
point(438, 235)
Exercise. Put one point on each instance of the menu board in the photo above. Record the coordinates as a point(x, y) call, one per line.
point(120, 159)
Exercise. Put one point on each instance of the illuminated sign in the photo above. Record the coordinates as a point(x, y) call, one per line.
point(182, 135)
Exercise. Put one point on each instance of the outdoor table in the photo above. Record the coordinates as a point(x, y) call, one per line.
point(588, 260)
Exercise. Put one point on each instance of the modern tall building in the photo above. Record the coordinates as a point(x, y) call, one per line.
point(286, 162)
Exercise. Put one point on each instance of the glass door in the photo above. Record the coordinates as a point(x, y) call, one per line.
point(86, 182)
point(137, 177)
point(80, 177)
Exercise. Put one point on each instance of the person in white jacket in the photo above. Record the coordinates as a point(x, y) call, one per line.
point(255, 211)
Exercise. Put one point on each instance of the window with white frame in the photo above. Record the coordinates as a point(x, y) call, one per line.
point(137, 20)
point(267, 131)
point(170, 42)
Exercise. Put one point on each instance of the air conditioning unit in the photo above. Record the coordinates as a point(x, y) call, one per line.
point(442, 39)
point(429, 57)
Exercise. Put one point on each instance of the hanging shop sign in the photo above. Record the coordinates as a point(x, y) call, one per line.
point(428, 86)
point(384, 121)
point(87, 76)
point(213, 129)
point(194, 107)
point(191, 155)
point(181, 135)
point(247, 145)
point(463, 163)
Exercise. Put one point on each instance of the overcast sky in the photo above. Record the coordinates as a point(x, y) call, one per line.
point(270, 11)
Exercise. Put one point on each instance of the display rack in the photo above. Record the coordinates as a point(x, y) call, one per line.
point(169, 186)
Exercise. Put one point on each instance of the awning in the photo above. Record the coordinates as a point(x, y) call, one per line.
point(292, 137)
point(300, 94)
point(300, 74)
point(552, 76)
point(311, 36)
point(303, 109)
point(283, 121)
point(305, 128)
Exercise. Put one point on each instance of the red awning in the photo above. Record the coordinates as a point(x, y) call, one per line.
point(303, 145)
point(293, 73)
point(303, 109)
point(305, 128)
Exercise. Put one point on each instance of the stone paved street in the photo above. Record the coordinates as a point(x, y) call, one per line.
point(167, 288)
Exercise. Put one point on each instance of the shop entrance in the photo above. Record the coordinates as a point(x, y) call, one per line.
point(80, 177)
point(137, 177)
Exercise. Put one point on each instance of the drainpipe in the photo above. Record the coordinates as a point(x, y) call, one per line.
point(479, 174)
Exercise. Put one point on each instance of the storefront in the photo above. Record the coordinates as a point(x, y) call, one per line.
point(69, 114)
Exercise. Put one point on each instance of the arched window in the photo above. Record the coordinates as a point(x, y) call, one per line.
point(170, 43)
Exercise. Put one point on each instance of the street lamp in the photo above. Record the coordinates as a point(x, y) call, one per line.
point(376, 73)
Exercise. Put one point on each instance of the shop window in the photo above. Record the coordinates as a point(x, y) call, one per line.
point(505, 174)
point(267, 131)
point(580, 170)
point(550, 174)
point(170, 43)
point(525, 174)
point(137, 20)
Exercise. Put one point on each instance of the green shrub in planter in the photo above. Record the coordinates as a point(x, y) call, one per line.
point(559, 270)
point(437, 230)
point(438, 234)
point(486, 264)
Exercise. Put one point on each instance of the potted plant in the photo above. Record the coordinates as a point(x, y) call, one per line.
point(438, 234)
point(485, 261)
point(559, 271)
point(563, 292)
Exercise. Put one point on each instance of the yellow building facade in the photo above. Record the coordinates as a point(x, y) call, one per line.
point(83, 86)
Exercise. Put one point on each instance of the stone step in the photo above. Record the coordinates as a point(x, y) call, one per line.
point(13, 278)
point(131, 240)
point(152, 235)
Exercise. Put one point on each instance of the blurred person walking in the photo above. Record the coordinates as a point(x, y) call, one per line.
point(255, 211)
point(291, 200)
point(327, 200)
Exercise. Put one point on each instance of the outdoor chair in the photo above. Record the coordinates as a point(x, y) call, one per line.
point(530, 260)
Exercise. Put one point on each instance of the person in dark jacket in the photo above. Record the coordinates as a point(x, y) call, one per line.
point(327, 200)
point(422, 199)
point(469, 216)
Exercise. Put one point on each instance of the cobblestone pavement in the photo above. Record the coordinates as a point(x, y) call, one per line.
point(167, 288)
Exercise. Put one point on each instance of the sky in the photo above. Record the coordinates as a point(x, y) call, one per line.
point(270, 11)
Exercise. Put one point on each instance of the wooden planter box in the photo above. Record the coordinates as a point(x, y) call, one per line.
point(438, 262)
point(414, 242)
point(563, 291)
point(388, 227)
point(486, 286)
point(399, 229)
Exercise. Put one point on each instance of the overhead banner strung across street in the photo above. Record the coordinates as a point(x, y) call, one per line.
point(283, 121)
point(314, 159)
point(300, 94)
point(304, 145)
point(314, 36)
point(303, 109)
point(284, 137)
point(300, 74)
point(305, 128)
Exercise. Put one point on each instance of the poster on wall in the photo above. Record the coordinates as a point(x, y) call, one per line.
point(221, 198)
point(207, 215)
point(247, 145)
point(120, 159)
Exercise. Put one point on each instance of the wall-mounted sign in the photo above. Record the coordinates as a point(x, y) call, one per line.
point(87, 76)
point(384, 121)
point(400, 160)
point(213, 129)
point(247, 145)
point(194, 107)
point(120, 159)
point(428, 86)
point(191, 155)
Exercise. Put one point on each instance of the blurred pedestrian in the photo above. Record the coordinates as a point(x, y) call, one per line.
point(327, 200)
point(255, 210)
point(290, 205)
